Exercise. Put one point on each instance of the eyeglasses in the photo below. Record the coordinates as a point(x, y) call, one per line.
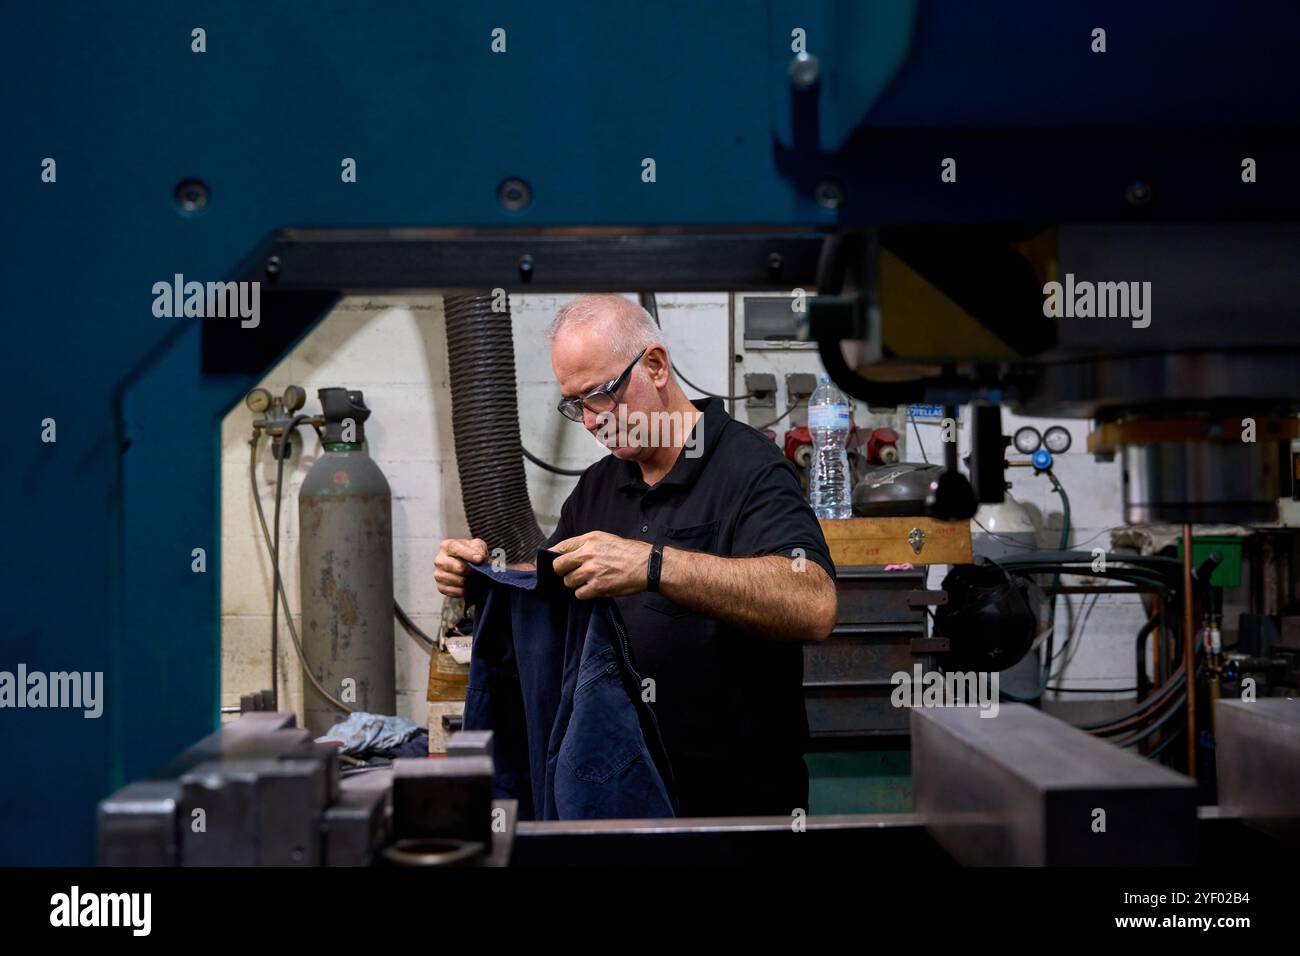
point(598, 400)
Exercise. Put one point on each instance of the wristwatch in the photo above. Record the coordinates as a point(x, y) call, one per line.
point(653, 565)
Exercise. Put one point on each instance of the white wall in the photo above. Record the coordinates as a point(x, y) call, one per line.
point(394, 350)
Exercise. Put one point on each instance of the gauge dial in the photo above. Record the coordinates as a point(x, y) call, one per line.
point(1057, 439)
point(294, 398)
point(258, 400)
point(1027, 440)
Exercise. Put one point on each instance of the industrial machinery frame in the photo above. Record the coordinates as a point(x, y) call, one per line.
point(1037, 793)
point(681, 126)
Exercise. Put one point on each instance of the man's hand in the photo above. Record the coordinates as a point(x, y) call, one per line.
point(449, 567)
point(597, 564)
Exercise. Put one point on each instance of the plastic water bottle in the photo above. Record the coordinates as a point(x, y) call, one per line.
point(828, 478)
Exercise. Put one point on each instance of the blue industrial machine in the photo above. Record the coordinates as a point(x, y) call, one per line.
point(614, 145)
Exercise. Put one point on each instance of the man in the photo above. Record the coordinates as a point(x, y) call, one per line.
point(696, 525)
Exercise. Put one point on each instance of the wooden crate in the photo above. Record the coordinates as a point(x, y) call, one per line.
point(855, 542)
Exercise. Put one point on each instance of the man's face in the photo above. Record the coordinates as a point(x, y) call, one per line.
point(582, 361)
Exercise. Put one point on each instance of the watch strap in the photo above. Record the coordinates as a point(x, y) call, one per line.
point(653, 566)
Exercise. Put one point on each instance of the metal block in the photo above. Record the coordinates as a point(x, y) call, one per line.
point(248, 725)
point(327, 755)
point(445, 796)
point(260, 812)
point(137, 825)
point(847, 676)
point(218, 819)
point(503, 838)
point(846, 712)
point(470, 743)
point(860, 655)
point(356, 825)
point(1026, 789)
point(154, 821)
point(291, 800)
point(239, 737)
point(869, 596)
point(1290, 636)
point(1258, 763)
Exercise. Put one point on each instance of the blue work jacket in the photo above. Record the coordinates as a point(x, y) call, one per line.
point(553, 678)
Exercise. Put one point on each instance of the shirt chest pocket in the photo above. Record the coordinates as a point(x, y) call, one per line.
point(700, 537)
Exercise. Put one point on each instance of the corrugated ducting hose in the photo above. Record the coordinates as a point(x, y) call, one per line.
point(485, 422)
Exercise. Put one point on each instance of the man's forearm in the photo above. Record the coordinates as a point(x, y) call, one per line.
point(774, 596)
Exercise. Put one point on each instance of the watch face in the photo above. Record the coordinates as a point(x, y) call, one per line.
point(1057, 439)
point(1027, 440)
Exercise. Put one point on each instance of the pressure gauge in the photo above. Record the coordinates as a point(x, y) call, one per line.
point(1057, 439)
point(294, 398)
point(1027, 440)
point(258, 400)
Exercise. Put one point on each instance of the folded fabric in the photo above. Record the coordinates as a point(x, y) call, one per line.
point(362, 733)
point(553, 678)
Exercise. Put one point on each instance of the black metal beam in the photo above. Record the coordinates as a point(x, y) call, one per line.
point(568, 260)
point(733, 841)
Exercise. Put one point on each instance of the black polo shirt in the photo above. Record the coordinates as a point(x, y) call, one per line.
point(730, 704)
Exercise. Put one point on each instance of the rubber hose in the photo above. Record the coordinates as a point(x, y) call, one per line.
point(485, 424)
point(1143, 685)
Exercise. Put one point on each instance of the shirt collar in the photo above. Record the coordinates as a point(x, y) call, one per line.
point(686, 469)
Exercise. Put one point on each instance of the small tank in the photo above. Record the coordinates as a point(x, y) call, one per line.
point(345, 526)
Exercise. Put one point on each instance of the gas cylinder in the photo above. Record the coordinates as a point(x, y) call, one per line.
point(345, 526)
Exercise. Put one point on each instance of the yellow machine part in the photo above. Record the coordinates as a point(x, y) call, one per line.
point(923, 324)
